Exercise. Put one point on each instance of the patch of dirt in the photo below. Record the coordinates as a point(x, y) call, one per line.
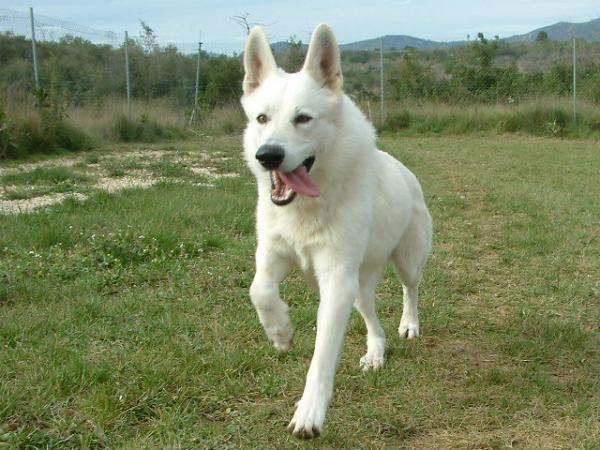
point(141, 178)
point(116, 184)
point(29, 204)
point(212, 174)
point(27, 167)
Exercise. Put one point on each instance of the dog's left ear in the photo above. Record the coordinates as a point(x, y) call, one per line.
point(323, 58)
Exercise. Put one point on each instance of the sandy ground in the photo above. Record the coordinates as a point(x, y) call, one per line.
point(135, 178)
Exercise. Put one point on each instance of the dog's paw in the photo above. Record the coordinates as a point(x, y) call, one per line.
point(371, 362)
point(308, 419)
point(409, 328)
point(281, 337)
point(374, 358)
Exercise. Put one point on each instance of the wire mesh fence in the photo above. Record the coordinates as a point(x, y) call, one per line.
point(52, 29)
point(88, 67)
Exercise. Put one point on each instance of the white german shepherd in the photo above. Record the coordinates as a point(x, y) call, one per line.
point(330, 203)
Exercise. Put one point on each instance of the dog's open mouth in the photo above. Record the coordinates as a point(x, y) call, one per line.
point(285, 185)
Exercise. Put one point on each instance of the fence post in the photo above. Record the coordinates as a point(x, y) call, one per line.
point(574, 81)
point(127, 77)
point(382, 113)
point(194, 116)
point(33, 48)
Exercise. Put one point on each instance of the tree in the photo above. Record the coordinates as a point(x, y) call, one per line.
point(410, 79)
point(542, 36)
point(293, 57)
point(148, 38)
point(242, 21)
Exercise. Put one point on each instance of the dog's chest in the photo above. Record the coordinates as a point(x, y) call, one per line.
point(301, 236)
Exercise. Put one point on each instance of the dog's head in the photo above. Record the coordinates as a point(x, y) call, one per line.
point(291, 117)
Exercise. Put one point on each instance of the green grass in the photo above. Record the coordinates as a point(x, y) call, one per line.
point(125, 320)
point(43, 175)
point(545, 117)
point(43, 181)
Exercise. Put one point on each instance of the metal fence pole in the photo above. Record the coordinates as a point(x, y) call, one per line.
point(574, 81)
point(381, 81)
point(127, 77)
point(33, 48)
point(194, 116)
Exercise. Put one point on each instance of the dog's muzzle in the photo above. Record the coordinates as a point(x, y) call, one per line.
point(282, 193)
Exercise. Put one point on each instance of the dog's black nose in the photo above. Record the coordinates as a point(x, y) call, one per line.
point(270, 156)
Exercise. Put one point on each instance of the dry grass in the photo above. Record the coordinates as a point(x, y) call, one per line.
point(547, 102)
point(224, 119)
point(546, 116)
point(96, 120)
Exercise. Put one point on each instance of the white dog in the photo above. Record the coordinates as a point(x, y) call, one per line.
point(330, 203)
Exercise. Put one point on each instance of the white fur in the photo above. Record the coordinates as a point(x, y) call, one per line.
point(371, 210)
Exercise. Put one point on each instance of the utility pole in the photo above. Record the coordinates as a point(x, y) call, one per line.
point(194, 115)
point(33, 48)
point(127, 77)
point(574, 81)
point(381, 80)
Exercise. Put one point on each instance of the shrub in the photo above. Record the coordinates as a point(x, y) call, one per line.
point(68, 137)
point(540, 120)
point(592, 123)
point(397, 121)
point(142, 129)
point(46, 131)
point(7, 144)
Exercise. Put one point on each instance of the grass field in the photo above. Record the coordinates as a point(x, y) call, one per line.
point(125, 320)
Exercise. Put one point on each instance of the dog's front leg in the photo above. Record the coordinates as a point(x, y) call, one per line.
point(271, 269)
point(338, 289)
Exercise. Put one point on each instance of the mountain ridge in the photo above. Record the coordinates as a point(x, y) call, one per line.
point(560, 31)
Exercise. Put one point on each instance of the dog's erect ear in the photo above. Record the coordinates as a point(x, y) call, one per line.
point(258, 60)
point(323, 58)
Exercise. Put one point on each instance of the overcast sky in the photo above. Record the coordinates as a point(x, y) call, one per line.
point(352, 20)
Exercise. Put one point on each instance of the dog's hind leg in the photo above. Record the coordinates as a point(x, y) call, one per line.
point(271, 269)
point(365, 305)
point(410, 258)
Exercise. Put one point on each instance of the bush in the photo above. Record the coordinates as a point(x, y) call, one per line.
point(7, 144)
point(68, 137)
point(592, 123)
point(142, 129)
point(42, 134)
point(592, 88)
point(397, 121)
point(540, 120)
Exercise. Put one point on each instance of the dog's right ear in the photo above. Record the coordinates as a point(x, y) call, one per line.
point(259, 62)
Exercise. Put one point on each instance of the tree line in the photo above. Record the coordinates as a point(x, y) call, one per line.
point(484, 71)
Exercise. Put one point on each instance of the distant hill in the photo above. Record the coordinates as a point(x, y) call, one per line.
point(397, 41)
point(564, 31)
point(282, 46)
point(561, 31)
point(389, 42)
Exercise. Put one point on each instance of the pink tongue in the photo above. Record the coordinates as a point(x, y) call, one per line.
point(300, 181)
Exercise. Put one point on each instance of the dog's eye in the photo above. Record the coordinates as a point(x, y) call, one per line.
point(262, 118)
point(302, 118)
